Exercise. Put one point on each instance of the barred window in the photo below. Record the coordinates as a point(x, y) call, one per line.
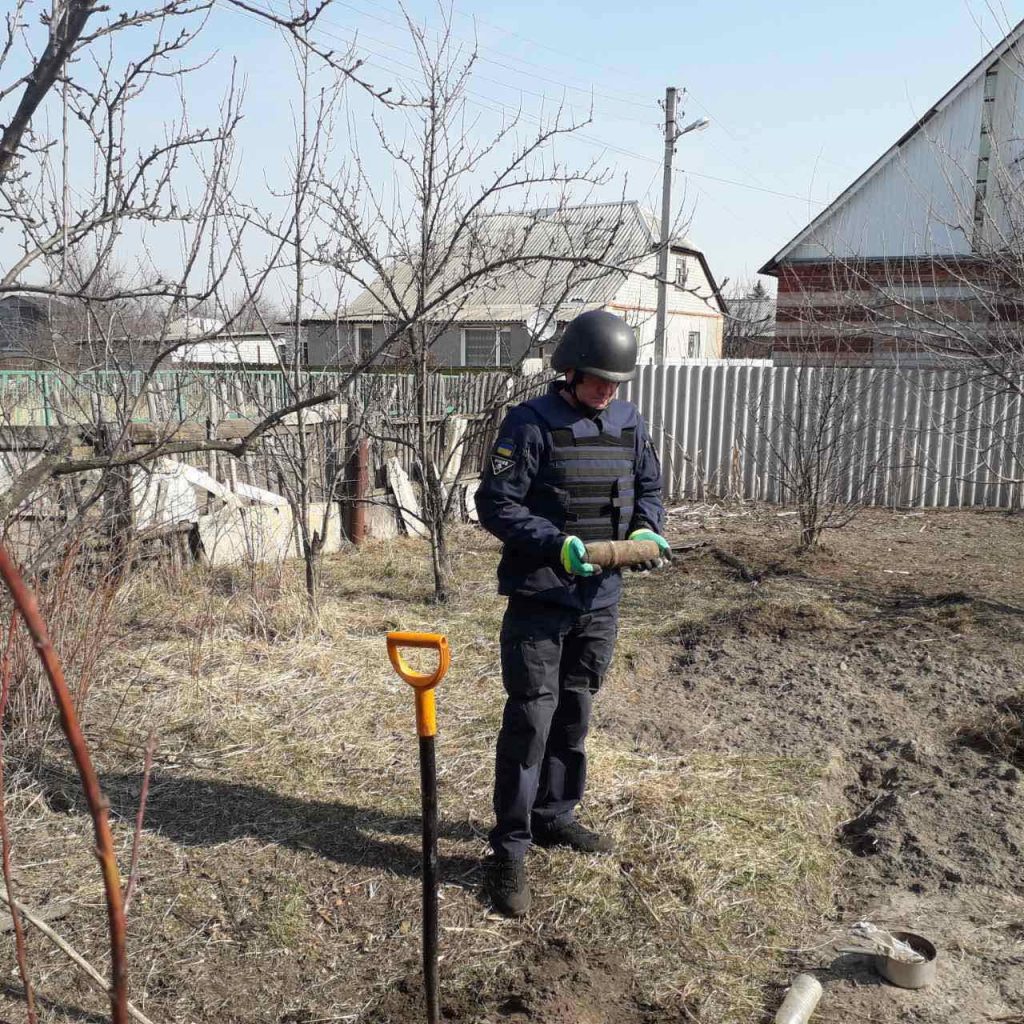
point(479, 346)
point(364, 342)
point(487, 346)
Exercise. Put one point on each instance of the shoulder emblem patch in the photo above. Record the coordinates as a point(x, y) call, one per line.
point(500, 464)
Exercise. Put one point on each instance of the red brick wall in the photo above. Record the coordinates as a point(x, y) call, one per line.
point(866, 275)
point(859, 321)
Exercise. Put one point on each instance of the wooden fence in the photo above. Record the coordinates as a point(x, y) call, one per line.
point(913, 438)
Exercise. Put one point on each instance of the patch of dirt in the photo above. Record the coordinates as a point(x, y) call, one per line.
point(280, 867)
point(560, 984)
point(896, 656)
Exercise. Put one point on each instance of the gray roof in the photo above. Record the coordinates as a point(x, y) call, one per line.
point(998, 53)
point(571, 258)
point(754, 314)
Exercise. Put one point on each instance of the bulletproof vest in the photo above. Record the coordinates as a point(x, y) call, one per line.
point(586, 485)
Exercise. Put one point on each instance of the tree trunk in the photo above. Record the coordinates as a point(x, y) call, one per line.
point(440, 556)
point(433, 494)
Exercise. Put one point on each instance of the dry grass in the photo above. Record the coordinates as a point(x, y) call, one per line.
point(280, 873)
point(1002, 733)
point(720, 861)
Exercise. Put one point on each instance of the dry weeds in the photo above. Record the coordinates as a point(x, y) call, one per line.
point(1001, 733)
point(279, 875)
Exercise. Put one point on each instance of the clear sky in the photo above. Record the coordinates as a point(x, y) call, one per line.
point(802, 95)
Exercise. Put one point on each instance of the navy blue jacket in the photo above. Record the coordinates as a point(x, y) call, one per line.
point(553, 472)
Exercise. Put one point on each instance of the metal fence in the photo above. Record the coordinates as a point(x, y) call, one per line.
point(924, 438)
point(49, 398)
point(918, 438)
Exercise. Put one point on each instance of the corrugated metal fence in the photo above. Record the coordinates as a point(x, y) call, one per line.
point(919, 438)
point(923, 438)
point(49, 398)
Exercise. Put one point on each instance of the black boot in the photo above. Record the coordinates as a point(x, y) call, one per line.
point(508, 887)
point(573, 835)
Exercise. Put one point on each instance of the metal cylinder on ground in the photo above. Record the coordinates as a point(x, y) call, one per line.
point(800, 1001)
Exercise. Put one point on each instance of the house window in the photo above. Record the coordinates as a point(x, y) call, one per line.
point(363, 343)
point(681, 272)
point(486, 346)
point(693, 345)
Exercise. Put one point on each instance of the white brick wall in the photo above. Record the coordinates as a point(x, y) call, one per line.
point(251, 351)
point(637, 300)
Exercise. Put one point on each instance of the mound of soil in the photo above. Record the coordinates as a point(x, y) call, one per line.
point(909, 692)
point(562, 984)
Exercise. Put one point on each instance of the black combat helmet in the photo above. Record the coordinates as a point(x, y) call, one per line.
point(599, 343)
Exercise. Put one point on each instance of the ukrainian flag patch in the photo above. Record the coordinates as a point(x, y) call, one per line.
point(501, 456)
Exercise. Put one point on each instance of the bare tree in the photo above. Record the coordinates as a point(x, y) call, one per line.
point(814, 437)
point(90, 189)
point(432, 242)
point(302, 451)
point(436, 245)
point(749, 323)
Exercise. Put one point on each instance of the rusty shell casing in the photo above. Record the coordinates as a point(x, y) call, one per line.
point(612, 554)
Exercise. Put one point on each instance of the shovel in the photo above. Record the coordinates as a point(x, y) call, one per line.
point(426, 727)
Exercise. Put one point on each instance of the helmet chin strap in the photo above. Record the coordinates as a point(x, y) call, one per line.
point(588, 410)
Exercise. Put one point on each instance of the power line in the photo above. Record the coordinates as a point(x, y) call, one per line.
point(354, 37)
point(496, 105)
point(623, 72)
point(590, 90)
point(688, 93)
point(594, 141)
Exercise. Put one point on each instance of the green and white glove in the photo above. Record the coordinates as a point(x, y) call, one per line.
point(664, 549)
point(573, 558)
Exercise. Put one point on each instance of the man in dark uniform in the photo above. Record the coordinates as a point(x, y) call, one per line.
point(571, 467)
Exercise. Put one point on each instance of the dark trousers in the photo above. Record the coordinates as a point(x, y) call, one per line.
point(552, 662)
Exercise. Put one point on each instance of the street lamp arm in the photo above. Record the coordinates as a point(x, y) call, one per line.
point(695, 126)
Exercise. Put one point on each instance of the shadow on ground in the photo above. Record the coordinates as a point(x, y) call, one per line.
point(203, 812)
point(54, 1006)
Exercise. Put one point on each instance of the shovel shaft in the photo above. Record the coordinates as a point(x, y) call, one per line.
point(428, 789)
point(426, 726)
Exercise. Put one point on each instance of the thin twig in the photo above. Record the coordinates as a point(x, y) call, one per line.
point(62, 944)
point(746, 573)
point(643, 899)
point(99, 808)
point(133, 870)
point(5, 839)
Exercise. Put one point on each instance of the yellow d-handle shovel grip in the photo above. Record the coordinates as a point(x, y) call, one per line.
point(423, 682)
point(426, 726)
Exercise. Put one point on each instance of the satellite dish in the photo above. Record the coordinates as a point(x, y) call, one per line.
point(540, 325)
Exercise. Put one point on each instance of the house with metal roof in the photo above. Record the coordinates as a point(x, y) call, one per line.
point(29, 325)
point(560, 262)
point(204, 341)
point(922, 244)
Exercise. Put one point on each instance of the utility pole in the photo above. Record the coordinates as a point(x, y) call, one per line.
point(671, 134)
